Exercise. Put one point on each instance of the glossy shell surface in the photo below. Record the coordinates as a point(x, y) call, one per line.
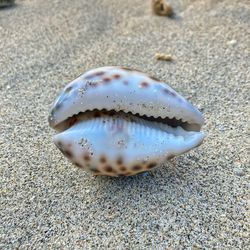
point(117, 121)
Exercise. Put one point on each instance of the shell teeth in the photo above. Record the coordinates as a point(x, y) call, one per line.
point(141, 114)
point(183, 119)
point(171, 116)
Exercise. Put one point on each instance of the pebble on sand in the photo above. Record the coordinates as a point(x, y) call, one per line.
point(163, 57)
point(162, 8)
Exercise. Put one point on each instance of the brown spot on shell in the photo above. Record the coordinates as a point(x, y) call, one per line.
point(137, 168)
point(100, 73)
point(123, 168)
point(86, 157)
point(106, 79)
point(151, 165)
point(103, 159)
point(116, 76)
point(108, 168)
point(144, 85)
point(67, 153)
point(119, 161)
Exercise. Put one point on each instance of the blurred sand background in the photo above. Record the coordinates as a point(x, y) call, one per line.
point(198, 202)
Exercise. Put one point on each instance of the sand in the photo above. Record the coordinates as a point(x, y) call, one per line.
point(199, 201)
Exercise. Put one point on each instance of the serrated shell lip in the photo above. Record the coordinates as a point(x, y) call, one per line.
point(193, 115)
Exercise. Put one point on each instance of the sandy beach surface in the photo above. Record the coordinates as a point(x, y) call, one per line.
point(199, 201)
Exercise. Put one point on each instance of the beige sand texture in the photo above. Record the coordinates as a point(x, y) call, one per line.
point(197, 202)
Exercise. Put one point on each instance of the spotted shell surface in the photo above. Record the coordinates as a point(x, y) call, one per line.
point(116, 121)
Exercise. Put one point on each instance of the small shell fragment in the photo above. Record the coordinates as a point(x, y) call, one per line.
point(163, 57)
point(162, 8)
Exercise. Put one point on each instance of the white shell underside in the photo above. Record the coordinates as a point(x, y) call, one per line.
point(122, 144)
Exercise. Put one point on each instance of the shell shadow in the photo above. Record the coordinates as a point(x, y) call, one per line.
point(8, 6)
point(145, 186)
